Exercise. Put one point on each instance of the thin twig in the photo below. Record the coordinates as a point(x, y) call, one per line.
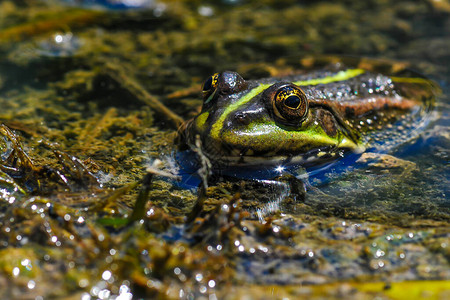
point(131, 85)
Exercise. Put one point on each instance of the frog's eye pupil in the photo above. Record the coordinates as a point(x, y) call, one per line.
point(208, 84)
point(292, 101)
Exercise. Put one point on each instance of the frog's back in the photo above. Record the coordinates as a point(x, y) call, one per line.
point(362, 92)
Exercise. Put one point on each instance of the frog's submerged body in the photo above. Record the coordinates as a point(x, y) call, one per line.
point(307, 119)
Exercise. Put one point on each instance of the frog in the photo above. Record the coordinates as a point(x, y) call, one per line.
point(311, 119)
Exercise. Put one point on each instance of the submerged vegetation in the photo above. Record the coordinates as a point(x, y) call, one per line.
point(90, 206)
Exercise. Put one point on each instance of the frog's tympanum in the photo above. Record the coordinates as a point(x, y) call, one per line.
point(306, 119)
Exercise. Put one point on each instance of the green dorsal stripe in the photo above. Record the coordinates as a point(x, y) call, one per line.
point(217, 126)
point(339, 76)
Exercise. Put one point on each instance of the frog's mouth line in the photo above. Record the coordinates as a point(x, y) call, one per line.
point(310, 158)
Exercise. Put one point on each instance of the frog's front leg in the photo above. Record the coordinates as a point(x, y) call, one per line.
point(280, 189)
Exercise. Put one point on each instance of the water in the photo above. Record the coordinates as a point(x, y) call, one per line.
point(81, 87)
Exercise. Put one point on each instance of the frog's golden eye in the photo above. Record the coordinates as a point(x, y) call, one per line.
point(210, 86)
point(290, 104)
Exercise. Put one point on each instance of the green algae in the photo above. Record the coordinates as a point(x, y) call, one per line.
point(82, 130)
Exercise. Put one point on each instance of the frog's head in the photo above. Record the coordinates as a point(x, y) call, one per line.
point(268, 121)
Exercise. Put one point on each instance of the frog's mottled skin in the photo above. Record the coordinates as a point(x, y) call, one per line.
point(329, 114)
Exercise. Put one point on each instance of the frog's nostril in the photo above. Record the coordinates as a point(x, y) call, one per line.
point(242, 118)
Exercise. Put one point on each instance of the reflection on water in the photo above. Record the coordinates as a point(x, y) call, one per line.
point(113, 4)
point(89, 96)
point(60, 44)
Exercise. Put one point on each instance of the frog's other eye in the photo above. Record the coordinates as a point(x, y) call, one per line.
point(209, 87)
point(290, 104)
